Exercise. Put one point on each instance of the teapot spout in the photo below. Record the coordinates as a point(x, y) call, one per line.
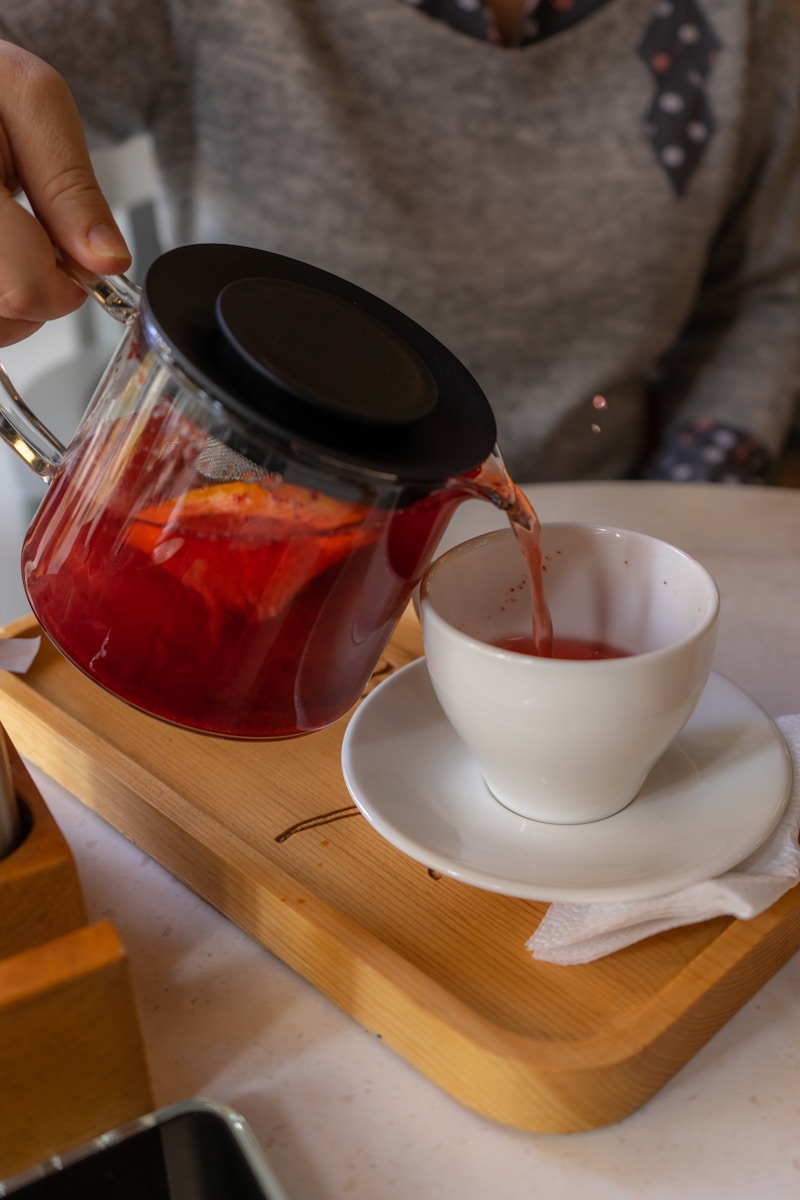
point(491, 481)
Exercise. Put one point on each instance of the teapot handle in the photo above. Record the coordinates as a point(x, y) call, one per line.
point(20, 428)
point(114, 293)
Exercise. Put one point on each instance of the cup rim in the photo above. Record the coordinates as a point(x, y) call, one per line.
point(543, 663)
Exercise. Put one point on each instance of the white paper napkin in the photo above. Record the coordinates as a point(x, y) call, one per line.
point(17, 654)
point(578, 933)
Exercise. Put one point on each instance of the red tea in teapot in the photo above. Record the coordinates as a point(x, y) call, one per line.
point(251, 608)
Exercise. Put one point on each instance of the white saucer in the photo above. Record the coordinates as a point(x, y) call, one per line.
point(714, 797)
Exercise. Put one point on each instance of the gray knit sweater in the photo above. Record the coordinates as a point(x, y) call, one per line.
point(509, 200)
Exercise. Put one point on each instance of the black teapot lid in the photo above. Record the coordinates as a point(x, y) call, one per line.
point(303, 355)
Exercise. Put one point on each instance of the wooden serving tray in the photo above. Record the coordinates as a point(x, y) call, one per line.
point(267, 833)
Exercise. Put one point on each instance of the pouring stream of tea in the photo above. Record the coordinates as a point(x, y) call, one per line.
point(492, 482)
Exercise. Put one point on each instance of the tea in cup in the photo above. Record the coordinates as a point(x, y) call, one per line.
point(569, 738)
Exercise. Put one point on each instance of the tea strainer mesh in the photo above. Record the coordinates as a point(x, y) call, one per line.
point(218, 463)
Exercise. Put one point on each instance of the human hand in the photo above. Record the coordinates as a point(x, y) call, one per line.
point(43, 154)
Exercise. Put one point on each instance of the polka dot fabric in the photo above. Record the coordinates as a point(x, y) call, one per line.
point(679, 47)
point(705, 452)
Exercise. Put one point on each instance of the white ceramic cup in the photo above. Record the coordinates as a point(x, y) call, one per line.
point(559, 740)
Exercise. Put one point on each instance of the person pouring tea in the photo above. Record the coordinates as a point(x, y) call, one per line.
point(580, 198)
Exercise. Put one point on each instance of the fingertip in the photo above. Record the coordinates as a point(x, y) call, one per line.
point(105, 241)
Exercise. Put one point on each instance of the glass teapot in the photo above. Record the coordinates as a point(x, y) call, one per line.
point(256, 488)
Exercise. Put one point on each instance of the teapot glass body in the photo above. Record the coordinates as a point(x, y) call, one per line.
point(212, 574)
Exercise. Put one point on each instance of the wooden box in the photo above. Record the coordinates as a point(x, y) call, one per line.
point(72, 1060)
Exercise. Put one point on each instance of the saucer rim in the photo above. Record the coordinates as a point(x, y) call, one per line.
point(773, 802)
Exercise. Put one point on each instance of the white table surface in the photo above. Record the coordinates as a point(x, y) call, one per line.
point(338, 1114)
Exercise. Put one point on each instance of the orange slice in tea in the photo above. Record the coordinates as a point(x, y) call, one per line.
point(249, 547)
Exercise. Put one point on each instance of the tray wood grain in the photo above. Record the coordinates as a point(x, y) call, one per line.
point(267, 833)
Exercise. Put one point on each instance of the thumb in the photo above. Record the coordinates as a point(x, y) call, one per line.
point(46, 154)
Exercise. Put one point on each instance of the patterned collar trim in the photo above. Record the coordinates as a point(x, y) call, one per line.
point(679, 47)
point(540, 18)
